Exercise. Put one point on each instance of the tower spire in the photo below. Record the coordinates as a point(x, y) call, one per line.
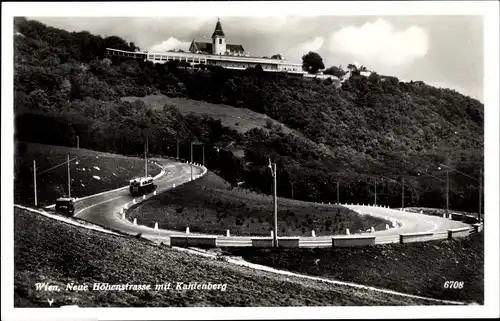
point(218, 30)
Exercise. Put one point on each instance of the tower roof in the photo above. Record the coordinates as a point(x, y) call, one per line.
point(218, 30)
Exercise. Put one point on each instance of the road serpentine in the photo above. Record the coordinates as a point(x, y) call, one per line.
point(104, 210)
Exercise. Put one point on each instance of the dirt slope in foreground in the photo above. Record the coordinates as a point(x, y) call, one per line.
point(58, 253)
point(415, 268)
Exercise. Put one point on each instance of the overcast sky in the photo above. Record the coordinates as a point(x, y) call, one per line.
point(445, 51)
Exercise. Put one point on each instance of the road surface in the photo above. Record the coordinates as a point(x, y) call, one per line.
point(104, 210)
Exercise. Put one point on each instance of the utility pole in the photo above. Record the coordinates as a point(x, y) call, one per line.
point(77, 142)
point(447, 162)
point(403, 194)
point(480, 181)
point(203, 146)
point(34, 180)
point(338, 202)
point(146, 159)
point(191, 152)
point(69, 180)
point(291, 183)
point(272, 166)
point(275, 207)
point(177, 149)
point(447, 192)
point(191, 160)
point(480, 193)
point(375, 192)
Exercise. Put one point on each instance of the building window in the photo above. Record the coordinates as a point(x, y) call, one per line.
point(220, 41)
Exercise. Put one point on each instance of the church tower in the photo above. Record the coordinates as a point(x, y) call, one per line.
point(218, 40)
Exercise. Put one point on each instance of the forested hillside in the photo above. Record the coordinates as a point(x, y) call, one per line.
point(371, 128)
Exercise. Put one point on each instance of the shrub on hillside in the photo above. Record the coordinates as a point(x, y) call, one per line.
point(60, 77)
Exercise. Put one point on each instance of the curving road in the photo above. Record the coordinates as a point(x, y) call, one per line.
point(105, 209)
point(407, 223)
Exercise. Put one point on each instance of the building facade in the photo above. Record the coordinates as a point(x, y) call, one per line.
point(216, 53)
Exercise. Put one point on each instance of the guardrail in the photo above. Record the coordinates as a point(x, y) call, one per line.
point(238, 241)
point(262, 241)
point(459, 232)
point(313, 242)
point(415, 237)
point(470, 219)
point(456, 216)
point(387, 239)
point(287, 242)
point(478, 227)
point(190, 240)
point(353, 241)
point(205, 241)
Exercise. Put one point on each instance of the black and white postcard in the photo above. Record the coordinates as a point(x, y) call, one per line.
point(249, 160)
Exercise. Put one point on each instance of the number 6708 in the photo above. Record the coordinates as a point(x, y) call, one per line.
point(453, 285)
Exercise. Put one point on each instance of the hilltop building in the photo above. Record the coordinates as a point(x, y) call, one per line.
point(216, 53)
point(218, 46)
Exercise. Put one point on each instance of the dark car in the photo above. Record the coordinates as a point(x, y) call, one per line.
point(141, 185)
point(65, 205)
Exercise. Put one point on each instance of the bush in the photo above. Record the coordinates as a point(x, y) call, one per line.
point(337, 133)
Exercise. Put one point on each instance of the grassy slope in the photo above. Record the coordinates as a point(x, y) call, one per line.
point(114, 171)
point(210, 205)
point(239, 119)
point(417, 268)
point(58, 253)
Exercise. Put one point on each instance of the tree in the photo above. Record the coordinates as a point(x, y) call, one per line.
point(116, 43)
point(312, 62)
point(355, 70)
point(277, 56)
point(375, 126)
point(134, 47)
point(374, 78)
point(335, 71)
point(352, 67)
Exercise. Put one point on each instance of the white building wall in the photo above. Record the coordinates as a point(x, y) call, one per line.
point(242, 65)
point(231, 62)
point(219, 48)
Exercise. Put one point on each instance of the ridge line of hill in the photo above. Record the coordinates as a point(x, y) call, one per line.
point(371, 128)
